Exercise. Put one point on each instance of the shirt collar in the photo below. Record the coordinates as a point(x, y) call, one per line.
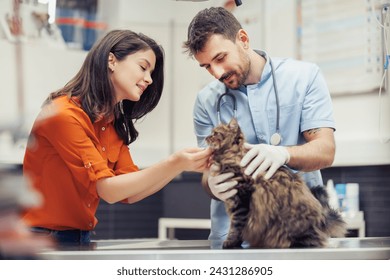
point(267, 67)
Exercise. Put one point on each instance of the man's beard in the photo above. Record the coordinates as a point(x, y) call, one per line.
point(241, 78)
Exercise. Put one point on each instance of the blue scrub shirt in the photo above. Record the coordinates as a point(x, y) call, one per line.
point(304, 103)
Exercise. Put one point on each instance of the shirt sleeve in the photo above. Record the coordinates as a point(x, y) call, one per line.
point(317, 108)
point(202, 123)
point(125, 163)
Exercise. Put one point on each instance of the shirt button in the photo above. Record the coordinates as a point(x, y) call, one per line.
point(103, 128)
point(90, 224)
point(89, 205)
point(103, 149)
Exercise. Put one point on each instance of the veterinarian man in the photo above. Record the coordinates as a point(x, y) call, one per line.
point(282, 105)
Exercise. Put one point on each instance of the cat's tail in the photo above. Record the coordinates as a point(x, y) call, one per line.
point(335, 225)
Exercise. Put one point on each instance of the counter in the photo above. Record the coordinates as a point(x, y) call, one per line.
point(338, 248)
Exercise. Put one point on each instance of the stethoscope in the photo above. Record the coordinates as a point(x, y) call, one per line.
point(276, 138)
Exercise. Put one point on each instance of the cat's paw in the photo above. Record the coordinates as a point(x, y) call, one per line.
point(232, 244)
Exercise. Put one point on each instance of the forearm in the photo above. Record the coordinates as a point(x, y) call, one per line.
point(138, 185)
point(314, 155)
point(149, 191)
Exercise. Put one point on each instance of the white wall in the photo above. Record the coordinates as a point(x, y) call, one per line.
point(280, 28)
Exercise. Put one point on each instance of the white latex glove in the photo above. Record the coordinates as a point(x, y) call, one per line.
point(218, 185)
point(263, 158)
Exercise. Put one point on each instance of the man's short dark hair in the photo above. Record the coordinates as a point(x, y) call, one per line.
point(210, 21)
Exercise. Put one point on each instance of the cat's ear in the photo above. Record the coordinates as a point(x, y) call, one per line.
point(235, 128)
point(233, 123)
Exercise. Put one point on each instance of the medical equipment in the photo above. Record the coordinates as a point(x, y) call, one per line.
point(276, 138)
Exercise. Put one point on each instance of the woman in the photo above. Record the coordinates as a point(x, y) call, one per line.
point(78, 148)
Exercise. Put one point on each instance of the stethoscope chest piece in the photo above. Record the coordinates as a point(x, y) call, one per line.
point(275, 139)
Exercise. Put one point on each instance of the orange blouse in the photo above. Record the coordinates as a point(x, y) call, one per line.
point(65, 157)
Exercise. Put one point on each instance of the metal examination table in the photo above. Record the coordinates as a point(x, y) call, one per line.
point(375, 248)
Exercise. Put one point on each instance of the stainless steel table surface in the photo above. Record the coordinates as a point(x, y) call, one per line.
point(338, 248)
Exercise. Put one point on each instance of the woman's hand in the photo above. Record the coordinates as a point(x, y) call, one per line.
point(192, 159)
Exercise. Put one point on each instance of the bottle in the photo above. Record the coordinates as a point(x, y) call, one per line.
point(340, 189)
point(333, 199)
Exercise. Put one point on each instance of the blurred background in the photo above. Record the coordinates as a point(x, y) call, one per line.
point(43, 44)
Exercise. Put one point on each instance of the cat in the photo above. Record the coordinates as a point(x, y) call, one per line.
point(280, 212)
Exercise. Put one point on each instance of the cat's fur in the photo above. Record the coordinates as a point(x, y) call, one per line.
point(280, 212)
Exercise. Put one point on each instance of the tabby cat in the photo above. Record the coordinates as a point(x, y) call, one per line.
point(280, 212)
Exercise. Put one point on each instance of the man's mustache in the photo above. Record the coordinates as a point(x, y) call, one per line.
point(226, 75)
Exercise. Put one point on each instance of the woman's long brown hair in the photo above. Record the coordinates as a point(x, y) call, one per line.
point(94, 89)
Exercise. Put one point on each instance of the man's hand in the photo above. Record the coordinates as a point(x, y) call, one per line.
point(263, 158)
point(220, 186)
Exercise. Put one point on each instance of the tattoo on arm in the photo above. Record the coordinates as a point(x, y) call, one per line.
point(313, 131)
